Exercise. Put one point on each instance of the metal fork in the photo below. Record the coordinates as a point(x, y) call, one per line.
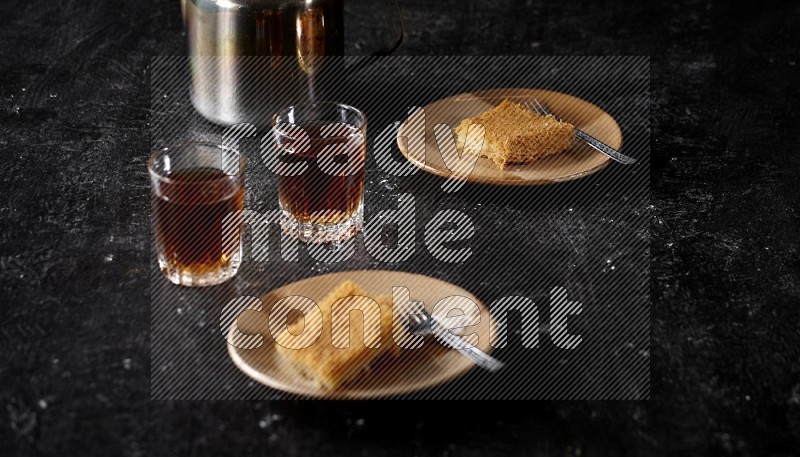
point(422, 323)
point(539, 108)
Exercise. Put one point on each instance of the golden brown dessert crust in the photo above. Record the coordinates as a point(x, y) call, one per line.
point(514, 134)
point(333, 366)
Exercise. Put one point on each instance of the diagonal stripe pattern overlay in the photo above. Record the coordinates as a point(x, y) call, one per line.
point(585, 241)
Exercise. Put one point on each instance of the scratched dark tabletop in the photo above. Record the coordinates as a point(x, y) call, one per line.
point(725, 233)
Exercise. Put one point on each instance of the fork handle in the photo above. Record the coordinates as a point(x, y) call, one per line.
point(469, 351)
point(604, 148)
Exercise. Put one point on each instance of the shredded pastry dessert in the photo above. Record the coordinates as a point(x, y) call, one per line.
point(514, 134)
point(334, 362)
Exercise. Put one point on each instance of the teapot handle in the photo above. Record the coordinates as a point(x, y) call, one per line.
point(394, 17)
point(393, 14)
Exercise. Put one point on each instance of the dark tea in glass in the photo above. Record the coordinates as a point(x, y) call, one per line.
point(197, 197)
point(321, 170)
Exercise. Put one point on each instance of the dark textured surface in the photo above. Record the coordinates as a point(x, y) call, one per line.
point(74, 249)
point(589, 236)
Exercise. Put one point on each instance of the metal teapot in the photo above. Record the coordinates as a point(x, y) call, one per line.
point(252, 57)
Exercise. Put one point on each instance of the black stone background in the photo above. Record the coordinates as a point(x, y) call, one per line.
point(725, 352)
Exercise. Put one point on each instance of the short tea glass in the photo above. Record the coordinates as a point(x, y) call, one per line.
point(321, 154)
point(197, 198)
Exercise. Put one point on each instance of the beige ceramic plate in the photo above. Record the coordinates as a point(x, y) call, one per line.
point(413, 370)
point(576, 162)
